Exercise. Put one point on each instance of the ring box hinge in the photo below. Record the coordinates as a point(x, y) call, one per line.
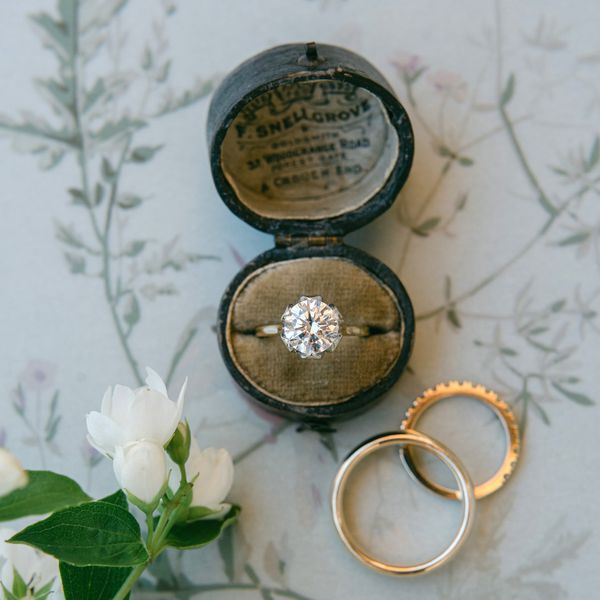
point(286, 240)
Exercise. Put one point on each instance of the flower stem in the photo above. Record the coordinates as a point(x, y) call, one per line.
point(128, 584)
point(156, 536)
point(182, 473)
point(150, 525)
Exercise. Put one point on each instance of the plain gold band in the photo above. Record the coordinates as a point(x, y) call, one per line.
point(350, 330)
point(403, 438)
point(501, 410)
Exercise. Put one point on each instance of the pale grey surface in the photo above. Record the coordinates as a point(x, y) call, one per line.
point(530, 181)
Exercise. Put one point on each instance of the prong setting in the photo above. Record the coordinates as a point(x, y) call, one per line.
point(311, 327)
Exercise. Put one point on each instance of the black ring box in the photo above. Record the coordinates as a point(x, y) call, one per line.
point(308, 142)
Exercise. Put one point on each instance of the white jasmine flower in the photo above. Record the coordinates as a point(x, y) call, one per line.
point(129, 415)
point(141, 470)
point(35, 568)
point(12, 474)
point(211, 471)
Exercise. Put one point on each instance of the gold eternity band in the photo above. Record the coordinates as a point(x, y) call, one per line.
point(500, 409)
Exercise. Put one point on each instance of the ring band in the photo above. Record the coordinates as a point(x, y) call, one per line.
point(352, 330)
point(502, 411)
point(402, 438)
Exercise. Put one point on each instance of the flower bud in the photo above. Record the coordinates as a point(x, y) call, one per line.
point(12, 474)
point(141, 470)
point(179, 446)
point(211, 471)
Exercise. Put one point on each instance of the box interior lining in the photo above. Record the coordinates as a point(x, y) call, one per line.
point(356, 365)
point(309, 150)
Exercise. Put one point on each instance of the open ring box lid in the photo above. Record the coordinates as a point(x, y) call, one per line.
point(310, 143)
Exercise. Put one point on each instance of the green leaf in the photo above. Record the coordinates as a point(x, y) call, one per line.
point(19, 587)
point(67, 235)
point(538, 330)
point(108, 173)
point(539, 346)
point(132, 312)
point(94, 94)
point(576, 238)
point(252, 575)
point(576, 397)
point(118, 499)
point(200, 533)
point(508, 352)
point(559, 171)
point(143, 153)
point(61, 96)
point(196, 513)
point(594, 156)
point(55, 35)
point(45, 591)
point(465, 161)
point(127, 201)
point(78, 197)
point(45, 492)
point(541, 412)
point(75, 262)
point(163, 73)
point(117, 129)
point(426, 226)
point(444, 151)
point(134, 248)
point(97, 533)
point(200, 90)
point(92, 583)
point(54, 419)
point(147, 59)
point(509, 90)
point(8, 595)
point(452, 316)
point(558, 305)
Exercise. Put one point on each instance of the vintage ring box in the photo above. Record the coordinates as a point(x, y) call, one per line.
point(310, 143)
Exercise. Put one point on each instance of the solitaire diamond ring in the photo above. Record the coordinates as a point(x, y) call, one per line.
point(311, 327)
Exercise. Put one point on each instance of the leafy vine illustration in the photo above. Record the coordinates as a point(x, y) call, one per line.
point(36, 403)
point(544, 329)
point(98, 115)
point(480, 566)
point(97, 118)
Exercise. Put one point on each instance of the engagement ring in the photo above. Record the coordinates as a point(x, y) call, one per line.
point(311, 327)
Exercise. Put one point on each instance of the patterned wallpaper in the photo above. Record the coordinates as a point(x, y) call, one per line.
point(117, 249)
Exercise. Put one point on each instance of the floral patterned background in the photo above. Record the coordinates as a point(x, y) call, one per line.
point(116, 249)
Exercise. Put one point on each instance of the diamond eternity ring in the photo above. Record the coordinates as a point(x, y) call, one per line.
point(311, 327)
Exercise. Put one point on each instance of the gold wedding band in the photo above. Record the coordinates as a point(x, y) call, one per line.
point(403, 438)
point(501, 410)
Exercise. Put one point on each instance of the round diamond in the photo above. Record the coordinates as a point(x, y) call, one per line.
point(311, 327)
